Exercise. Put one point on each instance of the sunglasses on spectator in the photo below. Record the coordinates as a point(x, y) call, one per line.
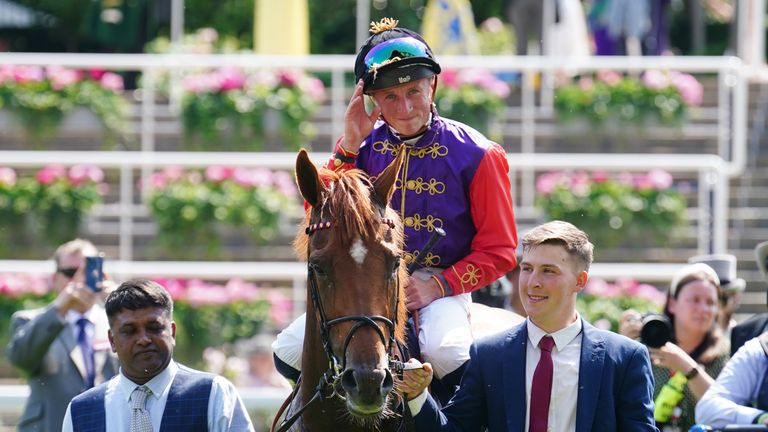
point(67, 272)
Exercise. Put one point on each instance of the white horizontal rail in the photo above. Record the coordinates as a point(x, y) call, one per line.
point(295, 271)
point(13, 398)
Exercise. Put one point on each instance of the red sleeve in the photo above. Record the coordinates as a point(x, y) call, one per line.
point(493, 247)
point(341, 159)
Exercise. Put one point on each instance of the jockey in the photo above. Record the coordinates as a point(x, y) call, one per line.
point(452, 178)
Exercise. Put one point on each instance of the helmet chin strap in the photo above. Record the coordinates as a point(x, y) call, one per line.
point(414, 136)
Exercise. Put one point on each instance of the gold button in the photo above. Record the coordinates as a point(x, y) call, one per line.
point(337, 162)
point(410, 184)
point(409, 221)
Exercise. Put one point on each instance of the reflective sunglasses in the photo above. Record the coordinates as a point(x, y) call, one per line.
point(401, 47)
point(67, 272)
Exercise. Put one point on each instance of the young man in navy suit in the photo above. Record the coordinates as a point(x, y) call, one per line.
point(555, 372)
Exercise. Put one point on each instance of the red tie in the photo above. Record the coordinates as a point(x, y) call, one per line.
point(541, 387)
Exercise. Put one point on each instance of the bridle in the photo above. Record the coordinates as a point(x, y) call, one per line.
point(330, 380)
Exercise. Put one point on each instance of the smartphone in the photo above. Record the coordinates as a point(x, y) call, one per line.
point(94, 272)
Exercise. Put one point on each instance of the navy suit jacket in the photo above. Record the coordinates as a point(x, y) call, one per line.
point(615, 386)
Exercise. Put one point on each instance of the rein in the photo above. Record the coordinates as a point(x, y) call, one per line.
point(327, 388)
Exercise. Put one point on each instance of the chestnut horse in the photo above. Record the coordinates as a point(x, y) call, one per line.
point(352, 242)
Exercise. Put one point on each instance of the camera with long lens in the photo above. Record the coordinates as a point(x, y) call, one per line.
point(656, 330)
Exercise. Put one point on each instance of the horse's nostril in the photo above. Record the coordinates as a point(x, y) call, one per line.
point(388, 383)
point(348, 381)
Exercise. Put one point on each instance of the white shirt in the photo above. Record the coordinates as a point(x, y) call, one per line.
point(226, 411)
point(566, 358)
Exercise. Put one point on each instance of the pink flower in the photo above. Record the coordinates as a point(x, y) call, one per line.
point(112, 81)
point(284, 183)
point(546, 183)
point(230, 78)
point(79, 174)
point(609, 77)
point(599, 176)
point(586, 83)
point(177, 288)
point(96, 74)
point(660, 179)
point(280, 309)
point(651, 293)
point(240, 290)
point(23, 74)
point(655, 80)
point(288, 78)
point(217, 174)
point(492, 25)
point(158, 180)
point(7, 176)
point(51, 173)
point(600, 288)
point(449, 78)
point(173, 172)
point(62, 77)
point(314, 88)
point(691, 90)
point(625, 178)
point(199, 294)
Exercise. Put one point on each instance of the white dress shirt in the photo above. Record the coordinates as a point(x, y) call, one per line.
point(565, 380)
point(727, 400)
point(226, 411)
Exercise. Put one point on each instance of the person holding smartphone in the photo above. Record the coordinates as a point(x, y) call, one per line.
point(62, 349)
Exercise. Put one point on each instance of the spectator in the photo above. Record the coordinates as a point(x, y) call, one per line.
point(732, 287)
point(697, 352)
point(453, 177)
point(61, 349)
point(555, 371)
point(757, 324)
point(740, 393)
point(261, 370)
point(152, 392)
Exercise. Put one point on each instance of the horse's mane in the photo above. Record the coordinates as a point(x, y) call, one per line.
point(349, 207)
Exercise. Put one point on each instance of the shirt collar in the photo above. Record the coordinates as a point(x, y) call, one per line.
point(158, 384)
point(562, 337)
point(73, 317)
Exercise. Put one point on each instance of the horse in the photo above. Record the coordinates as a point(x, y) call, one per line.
point(352, 242)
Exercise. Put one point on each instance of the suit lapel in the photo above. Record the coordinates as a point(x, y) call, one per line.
point(73, 349)
point(590, 376)
point(514, 377)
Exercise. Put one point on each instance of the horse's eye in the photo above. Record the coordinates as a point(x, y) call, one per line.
point(318, 270)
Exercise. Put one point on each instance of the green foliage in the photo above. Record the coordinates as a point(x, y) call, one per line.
point(189, 209)
point(629, 209)
point(40, 98)
point(246, 111)
point(46, 210)
point(658, 98)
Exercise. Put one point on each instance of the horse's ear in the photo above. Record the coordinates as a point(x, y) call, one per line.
point(384, 185)
point(308, 179)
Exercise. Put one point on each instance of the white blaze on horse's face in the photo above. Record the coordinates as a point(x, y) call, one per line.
point(358, 251)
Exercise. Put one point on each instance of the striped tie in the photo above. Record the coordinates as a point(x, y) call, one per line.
point(140, 421)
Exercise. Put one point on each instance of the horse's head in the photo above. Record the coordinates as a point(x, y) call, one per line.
point(352, 243)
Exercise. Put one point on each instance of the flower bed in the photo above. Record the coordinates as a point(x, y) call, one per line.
point(629, 208)
point(472, 96)
point(208, 315)
point(246, 110)
point(608, 98)
point(602, 303)
point(189, 207)
point(39, 98)
point(47, 209)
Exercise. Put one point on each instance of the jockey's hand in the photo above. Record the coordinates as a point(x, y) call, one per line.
point(414, 381)
point(358, 124)
point(420, 292)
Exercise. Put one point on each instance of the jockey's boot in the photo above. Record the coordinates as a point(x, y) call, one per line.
point(289, 372)
point(444, 388)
